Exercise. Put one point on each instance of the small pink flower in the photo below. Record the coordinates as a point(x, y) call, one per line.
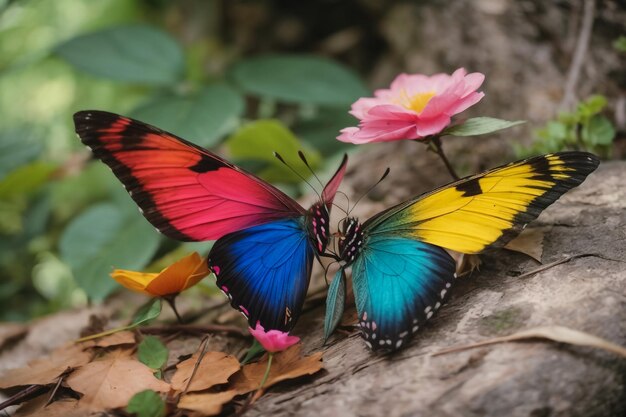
point(273, 340)
point(416, 106)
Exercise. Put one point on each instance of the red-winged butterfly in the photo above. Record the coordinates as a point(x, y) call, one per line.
point(266, 241)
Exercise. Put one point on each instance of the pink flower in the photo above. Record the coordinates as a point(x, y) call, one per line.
point(416, 106)
point(273, 340)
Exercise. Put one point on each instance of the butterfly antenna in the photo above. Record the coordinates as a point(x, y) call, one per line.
point(347, 202)
point(280, 158)
point(370, 189)
point(303, 158)
point(340, 208)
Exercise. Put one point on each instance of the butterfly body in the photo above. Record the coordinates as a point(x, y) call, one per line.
point(265, 241)
point(401, 271)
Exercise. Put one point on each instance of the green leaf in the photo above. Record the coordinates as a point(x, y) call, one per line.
point(17, 147)
point(255, 350)
point(152, 353)
point(555, 131)
point(25, 180)
point(11, 217)
point(146, 404)
point(138, 53)
point(202, 118)
point(620, 43)
point(335, 302)
point(599, 131)
point(73, 193)
point(592, 106)
point(480, 126)
point(299, 79)
point(101, 238)
point(321, 131)
point(148, 311)
point(258, 140)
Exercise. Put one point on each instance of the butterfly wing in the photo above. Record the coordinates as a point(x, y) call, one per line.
point(489, 209)
point(185, 191)
point(402, 274)
point(335, 303)
point(398, 284)
point(328, 195)
point(265, 271)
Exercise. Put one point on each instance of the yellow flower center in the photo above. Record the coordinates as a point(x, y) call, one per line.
point(417, 102)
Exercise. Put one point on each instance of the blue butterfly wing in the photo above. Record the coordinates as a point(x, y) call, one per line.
point(335, 303)
point(398, 284)
point(265, 271)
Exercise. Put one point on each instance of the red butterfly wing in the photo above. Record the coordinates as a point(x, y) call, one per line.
point(185, 191)
point(328, 195)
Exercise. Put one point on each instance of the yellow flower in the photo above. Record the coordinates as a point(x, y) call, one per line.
point(177, 277)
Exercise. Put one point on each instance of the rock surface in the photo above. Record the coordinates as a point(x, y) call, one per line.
point(533, 378)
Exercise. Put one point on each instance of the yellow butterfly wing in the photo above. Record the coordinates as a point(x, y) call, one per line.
point(489, 209)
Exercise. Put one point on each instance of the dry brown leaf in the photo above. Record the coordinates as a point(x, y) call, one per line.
point(115, 339)
point(112, 380)
point(46, 370)
point(465, 263)
point(558, 334)
point(209, 404)
point(62, 408)
point(214, 369)
point(11, 331)
point(288, 364)
point(529, 242)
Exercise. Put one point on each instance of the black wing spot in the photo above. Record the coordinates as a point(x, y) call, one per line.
point(130, 142)
point(206, 164)
point(470, 188)
point(541, 169)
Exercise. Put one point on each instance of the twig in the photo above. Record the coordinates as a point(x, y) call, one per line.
point(582, 44)
point(19, 397)
point(197, 329)
point(57, 386)
point(204, 345)
point(438, 149)
point(558, 334)
point(564, 260)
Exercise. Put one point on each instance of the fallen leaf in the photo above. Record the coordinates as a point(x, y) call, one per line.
point(152, 352)
point(465, 263)
point(146, 404)
point(288, 364)
point(61, 408)
point(214, 369)
point(115, 339)
point(112, 380)
point(10, 332)
point(209, 404)
point(46, 370)
point(558, 334)
point(529, 242)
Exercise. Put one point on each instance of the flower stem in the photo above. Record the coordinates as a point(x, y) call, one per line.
point(267, 370)
point(171, 300)
point(438, 148)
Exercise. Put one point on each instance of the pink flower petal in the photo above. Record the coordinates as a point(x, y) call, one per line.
point(466, 103)
point(473, 82)
point(415, 106)
point(272, 340)
point(432, 126)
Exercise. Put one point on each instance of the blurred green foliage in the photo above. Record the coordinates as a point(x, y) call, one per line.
point(65, 221)
point(583, 129)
